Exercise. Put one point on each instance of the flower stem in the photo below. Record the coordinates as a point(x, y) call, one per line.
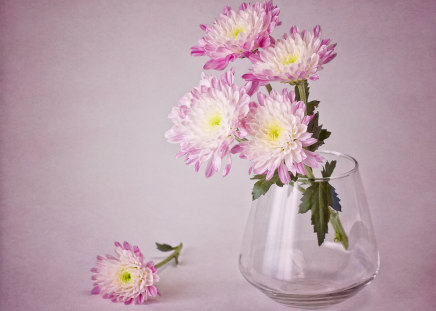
point(302, 91)
point(175, 254)
point(268, 88)
point(340, 235)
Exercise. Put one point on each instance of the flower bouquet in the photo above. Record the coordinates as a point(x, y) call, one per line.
point(279, 133)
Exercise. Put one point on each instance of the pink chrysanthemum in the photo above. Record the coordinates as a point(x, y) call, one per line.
point(125, 277)
point(277, 131)
point(237, 34)
point(207, 120)
point(296, 57)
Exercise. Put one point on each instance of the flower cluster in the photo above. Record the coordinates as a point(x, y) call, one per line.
point(278, 134)
point(237, 34)
point(125, 277)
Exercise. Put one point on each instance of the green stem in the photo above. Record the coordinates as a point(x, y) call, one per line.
point(174, 255)
point(340, 235)
point(302, 92)
point(268, 88)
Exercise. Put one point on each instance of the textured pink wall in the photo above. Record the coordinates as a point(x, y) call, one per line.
point(85, 90)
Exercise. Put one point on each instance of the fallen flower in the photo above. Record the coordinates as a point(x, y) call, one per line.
point(126, 277)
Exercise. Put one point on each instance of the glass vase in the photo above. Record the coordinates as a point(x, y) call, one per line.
point(281, 255)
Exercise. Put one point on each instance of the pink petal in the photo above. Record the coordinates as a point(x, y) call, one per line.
point(284, 174)
point(209, 169)
point(152, 290)
point(117, 244)
point(127, 246)
point(300, 168)
point(228, 166)
point(236, 149)
point(128, 301)
point(270, 174)
point(308, 141)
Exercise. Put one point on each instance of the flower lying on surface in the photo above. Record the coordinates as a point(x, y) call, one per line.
point(296, 57)
point(125, 277)
point(207, 120)
point(277, 131)
point(237, 34)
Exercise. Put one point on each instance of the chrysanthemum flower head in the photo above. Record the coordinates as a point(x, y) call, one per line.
point(277, 131)
point(294, 58)
point(125, 277)
point(207, 120)
point(237, 34)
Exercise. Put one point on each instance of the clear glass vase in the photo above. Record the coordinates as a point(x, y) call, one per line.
point(280, 253)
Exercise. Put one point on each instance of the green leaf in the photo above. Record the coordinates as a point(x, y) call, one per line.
point(328, 169)
point(262, 185)
point(320, 211)
point(308, 199)
point(317, 132)
point(164, 247)
point(311, 106)
point(323, 135)
point(334, 202)
point(313, 126)
point(260, 188)
point(316, 199)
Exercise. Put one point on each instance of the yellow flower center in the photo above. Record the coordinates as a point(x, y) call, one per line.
point(273, 132)
point(290, 59)
point(125, 276)
point(236, 31)
point(214, 121)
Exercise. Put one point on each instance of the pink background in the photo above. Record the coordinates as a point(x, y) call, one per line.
point(85, 90)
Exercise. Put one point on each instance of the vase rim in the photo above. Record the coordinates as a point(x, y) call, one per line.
point(344, 174)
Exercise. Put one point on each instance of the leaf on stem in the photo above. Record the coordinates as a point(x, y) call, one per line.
point(317, 132)
point(313, 126)
point(307, 200)
point(315, 199)
point(164, 247)
point(334, 203)
point(262, 185)
point(311, 106)
point(327, 171)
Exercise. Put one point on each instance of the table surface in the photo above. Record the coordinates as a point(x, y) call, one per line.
point(85, 90)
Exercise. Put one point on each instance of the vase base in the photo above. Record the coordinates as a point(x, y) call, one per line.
point(313, 301)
